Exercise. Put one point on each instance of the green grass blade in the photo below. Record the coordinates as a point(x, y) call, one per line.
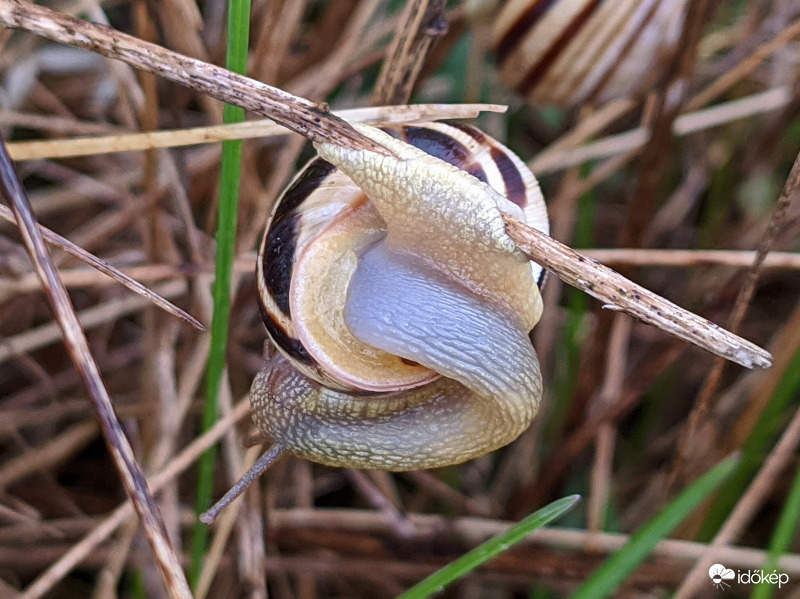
point(238, 31)
point(782, 537)
point(605, 580)
point(486, 551)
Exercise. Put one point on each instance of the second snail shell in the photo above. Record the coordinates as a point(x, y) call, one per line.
point(573, 52)
point(399, 307)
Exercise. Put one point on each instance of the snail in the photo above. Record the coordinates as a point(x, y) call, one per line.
point(399, 308)
point(573, 52)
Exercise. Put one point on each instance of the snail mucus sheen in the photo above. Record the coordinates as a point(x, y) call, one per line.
point(399, 307)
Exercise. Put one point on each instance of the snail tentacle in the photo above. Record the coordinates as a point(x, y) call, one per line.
point(262, 465)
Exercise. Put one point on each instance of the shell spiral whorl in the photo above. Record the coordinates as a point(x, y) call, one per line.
point(399, 306)
point(570, 52)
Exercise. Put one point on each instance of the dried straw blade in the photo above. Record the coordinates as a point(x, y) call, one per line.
point(110, 271)
point(318, 124)
point(78, 348)
point(621, 294)
point(132, 142)
point(311, 120)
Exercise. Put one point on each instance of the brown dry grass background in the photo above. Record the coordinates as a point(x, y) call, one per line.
point(620, 422)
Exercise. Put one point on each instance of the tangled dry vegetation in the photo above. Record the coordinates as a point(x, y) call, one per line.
point(630, 415)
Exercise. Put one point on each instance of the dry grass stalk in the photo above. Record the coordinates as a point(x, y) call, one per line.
point(703, 402)
point(109, 271)
point(78, 347)
point(295, 113)
point(130, 142)
point(310, 120)
point(618, 293)
point(421, 22)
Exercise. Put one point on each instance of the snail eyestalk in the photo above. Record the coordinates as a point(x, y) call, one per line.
point(261, 466)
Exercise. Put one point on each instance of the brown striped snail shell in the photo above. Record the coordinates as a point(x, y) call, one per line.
point(399, 307)
point(572, 52)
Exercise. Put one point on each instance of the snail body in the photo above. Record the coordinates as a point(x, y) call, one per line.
point(571, 52)
point(399, 307)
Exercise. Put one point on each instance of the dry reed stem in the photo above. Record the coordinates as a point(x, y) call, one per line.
point(131, 142)
point(747, 507)
point(78, 348)
point(421, 22)
point(306, 118)
point(176, 466)
point(476, 530)
point(110, 271)
point(703, 402)
point(618, 293)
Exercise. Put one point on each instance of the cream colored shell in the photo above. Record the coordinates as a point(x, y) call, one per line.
point(573, 52)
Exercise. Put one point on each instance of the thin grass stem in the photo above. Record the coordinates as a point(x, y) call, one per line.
point(238, 31)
